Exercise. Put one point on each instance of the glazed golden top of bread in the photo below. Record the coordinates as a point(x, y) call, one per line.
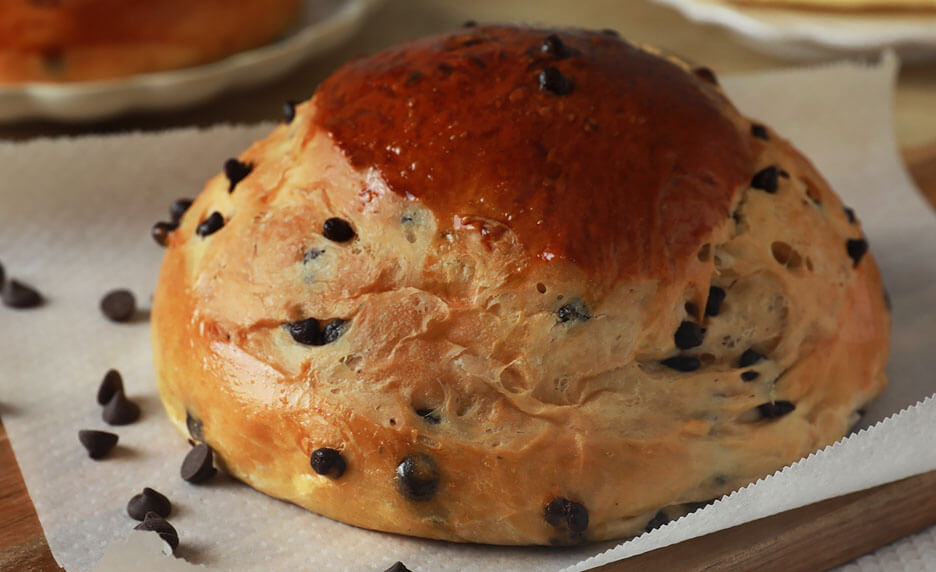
point(80, 40)
point(461, 296)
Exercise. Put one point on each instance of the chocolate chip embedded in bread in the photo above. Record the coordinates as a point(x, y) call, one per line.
point(161, 231)
point(20, 296)
point(155, 523)
point(552, 80)
point(312, 254)
point(327, 461)
point(178, 208)
point(118, 305)
point(749, 375)
point(210, 225)
point(750, 357)
point(565, 513)
point(236, 171)
point(713, 305)
point(682, 363)
point(658, 520)
point(97, 443)
point(111, 383)
point(198, 465)
point(119, 410)
point(850, 214)
point(417, 477)
point(759, 131)
point(573, 311)
point(289, 111)
point(337, 230)
point(194, 426)
point(856, 248)
point(397, 567)
point(775, 409)
point(688, 335)
point(333, 331)
point(305, 331)
point(148, 501)
point(553, 46)
point(706, 74)
point(765, 180)
point(430, 416)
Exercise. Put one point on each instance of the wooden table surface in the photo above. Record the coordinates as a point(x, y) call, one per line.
point(798, 540)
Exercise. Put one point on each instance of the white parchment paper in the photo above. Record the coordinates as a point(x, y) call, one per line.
point(74, 221)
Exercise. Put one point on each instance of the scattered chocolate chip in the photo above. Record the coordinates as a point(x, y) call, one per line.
point(759, 131)
point(210, 225)
point(706, 74)
point(430, 416)
point(551, 79)
point(305, 331)
point(236, 171)
point(337, 230)
point(417, 477)
point(110, 385)
point(194, 426)
point(658, 520)
point(682, 363)
point(155, 523)
point(397, 567)
point(689, 335)
point(326, 461)
point(148, 501)
point(563, 512)
point(20, 296)
point(713, 305)
point(333, 331)
point(749, 375)
point(573, 311)
point(849, 214)
point(750, 357)
point(97, 443)
point(289, 111)
point(312, 254)
point(118, 305)
point(554, 47)
point(119, 410)
point(161, 231)
point(177, 209)
point(856, 248)
point(775, 409)
point(198, 465)
point(765, 180)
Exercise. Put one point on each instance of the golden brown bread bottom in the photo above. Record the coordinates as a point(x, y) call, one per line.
point(465, 390)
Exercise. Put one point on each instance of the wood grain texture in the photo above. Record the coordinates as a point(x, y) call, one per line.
point(815, 537)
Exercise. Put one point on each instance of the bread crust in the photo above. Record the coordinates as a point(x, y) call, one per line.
point(528, 395)
point(82, 40)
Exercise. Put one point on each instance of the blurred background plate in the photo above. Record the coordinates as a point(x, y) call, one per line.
point(324, 24)
point(816, 35)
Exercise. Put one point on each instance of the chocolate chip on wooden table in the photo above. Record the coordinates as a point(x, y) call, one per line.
point(562, 512)
point(856, 248)
point(713, 305)
point(749, 375)
point(210, 225)
point(337, 230)
point(97, 443)
point(118, 305)
point(289, 111)
point(236, 171)
point(111, 384)
point(20, 296)
point(148, 501)
point(417, 477)
point(750, 357)
point(775, 409)
point(328, 461)
point(178, 208)
point(397, 567)
point(766, 179)
point(119, 410)
point(682, 363)
point(552, 80)
point(198, 466)
point(688, 335)
point(759, 131)
point(161, 231)
point(155, 523)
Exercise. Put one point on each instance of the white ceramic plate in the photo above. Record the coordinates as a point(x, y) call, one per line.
point(815, 35)
point(324, 24)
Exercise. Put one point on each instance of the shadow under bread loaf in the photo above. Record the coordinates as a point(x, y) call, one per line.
point(516, 286)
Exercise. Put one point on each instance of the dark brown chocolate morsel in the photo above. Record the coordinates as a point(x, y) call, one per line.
point(20, 296)
point(417, 477)
point(562, 512)
point(198, 466)
point(148, 501)
point(119, 410)
point(328, 461)
point(97, 443)
point(155, 523)
point(118, 305)
point(111, 384)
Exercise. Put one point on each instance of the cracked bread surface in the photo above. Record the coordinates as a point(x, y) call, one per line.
point(562, 315)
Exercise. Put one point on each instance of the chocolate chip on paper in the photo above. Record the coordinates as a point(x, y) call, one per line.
point(111, 384)
point(20, 296)
point(97, 443)
point(119, 410)
point(148, 501)
point(198, 465)
point(155, 523)
point(118, 305)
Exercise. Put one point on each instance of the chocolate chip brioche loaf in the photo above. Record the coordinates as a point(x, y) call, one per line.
point(516, 286)
point(80, 40)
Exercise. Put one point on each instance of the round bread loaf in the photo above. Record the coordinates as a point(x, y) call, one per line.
point(516, 286)
point(80, 40)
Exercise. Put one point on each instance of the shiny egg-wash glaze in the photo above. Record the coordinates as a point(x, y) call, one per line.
point(377, 326)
